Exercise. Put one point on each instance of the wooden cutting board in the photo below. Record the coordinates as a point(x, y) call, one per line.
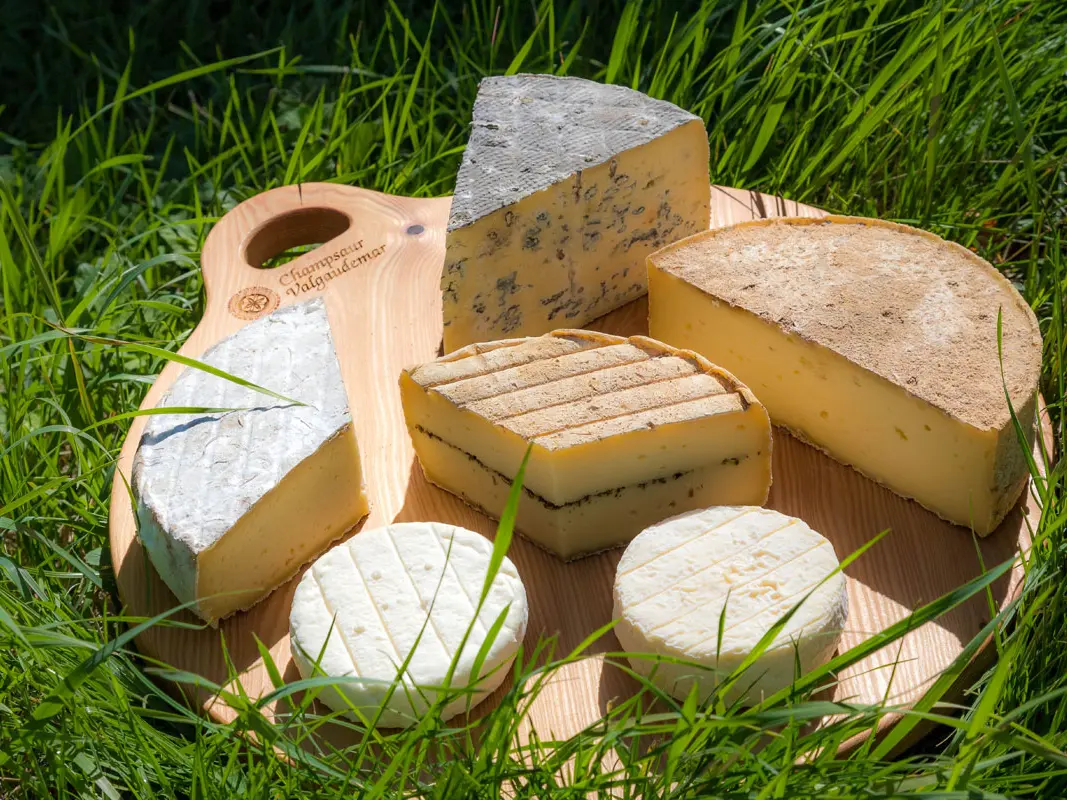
point(379, 270)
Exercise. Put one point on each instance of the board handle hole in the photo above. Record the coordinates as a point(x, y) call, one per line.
point(293, 233)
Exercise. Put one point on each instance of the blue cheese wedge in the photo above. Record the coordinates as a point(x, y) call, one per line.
point(231, 504)
point(566, 185)
point(624, 432)
point(705, 587)
point(406, 592)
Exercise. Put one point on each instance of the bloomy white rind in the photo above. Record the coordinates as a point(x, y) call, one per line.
point(190, 489)
point(363, 603)
point(171, 557)
point(289, 351)
point(811, 635)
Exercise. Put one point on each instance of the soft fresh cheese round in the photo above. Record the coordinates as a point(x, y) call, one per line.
point(676, 578)
point(359, 610)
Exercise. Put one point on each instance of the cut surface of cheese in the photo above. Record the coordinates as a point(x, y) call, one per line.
point(566, 185)
point(406, 592)
point(706, 587)
point(873, 341)
point(231, 503)
point(624, 432)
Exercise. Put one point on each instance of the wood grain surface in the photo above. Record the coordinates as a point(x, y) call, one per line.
point(379, 272)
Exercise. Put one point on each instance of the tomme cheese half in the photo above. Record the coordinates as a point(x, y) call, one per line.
point(742, 567)
point(565, 186)
point(873, 341)
point(624, 432)
point(406, 591)
point(230, 504)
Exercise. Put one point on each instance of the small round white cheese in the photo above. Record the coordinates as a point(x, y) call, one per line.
point(676, 578)
point(359, 610)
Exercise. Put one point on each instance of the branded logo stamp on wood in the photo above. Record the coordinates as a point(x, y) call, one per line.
point(253, 302)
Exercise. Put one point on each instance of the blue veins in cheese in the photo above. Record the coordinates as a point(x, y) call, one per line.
point(566, 185)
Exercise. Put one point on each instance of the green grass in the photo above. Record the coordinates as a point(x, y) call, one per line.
point(125, 137)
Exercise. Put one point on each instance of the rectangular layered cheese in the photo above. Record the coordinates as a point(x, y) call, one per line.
point(624, 433)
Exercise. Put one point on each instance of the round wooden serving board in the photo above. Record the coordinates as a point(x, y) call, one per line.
point(379, 272)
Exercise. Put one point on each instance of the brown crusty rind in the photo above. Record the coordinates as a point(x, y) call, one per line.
point(442, 369)
point(902, 303)
point(483, 358)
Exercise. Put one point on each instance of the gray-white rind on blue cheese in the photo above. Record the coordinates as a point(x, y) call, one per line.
point(196, 475)
point(532, 131)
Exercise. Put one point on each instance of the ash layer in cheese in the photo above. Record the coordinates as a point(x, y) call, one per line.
point(873, 341)
point(743, 566)
point(624, 432)
point(565, 186)
point(408, 589)
point(230, 504)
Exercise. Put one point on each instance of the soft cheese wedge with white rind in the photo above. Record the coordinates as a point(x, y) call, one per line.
point(873, 341)
point(624, 432)
point(565, 186)
point(741, 568)
point(230, 504)
point(408, 589)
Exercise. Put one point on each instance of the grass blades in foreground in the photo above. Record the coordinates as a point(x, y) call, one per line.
point(123, 139)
